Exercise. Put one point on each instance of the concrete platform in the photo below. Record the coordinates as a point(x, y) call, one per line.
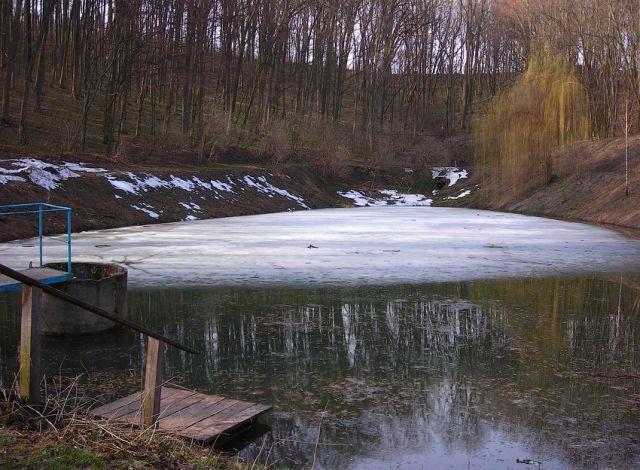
point(46, 276)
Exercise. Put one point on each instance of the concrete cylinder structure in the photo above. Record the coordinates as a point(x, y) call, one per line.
point(100, 284)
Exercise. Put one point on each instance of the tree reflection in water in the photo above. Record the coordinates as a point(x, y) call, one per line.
point(480, 372)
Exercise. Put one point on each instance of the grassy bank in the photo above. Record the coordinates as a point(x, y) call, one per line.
point(84, 444)
point(60, 434)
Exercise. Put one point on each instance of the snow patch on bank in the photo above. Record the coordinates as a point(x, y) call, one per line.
point(462, 194)
point(180, 183)
point(220, 186)
point(451, 173)
point(263, 186)
point(442, 176)
point(190, 205)
point(358, 198)
point(4, 179)
point(147, 209)
point(83, 168)
point(50, 176)
point(401, 199)
point(43, 174)
point(138, 184)
point(387, 197)
point(122, 185)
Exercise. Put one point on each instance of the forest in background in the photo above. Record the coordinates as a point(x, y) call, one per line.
point(337, 79)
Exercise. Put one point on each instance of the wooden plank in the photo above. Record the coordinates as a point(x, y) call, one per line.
point(134, 407)
point(109, 409)
point(136, 410)
point(224, 427)
point(153, 378)
point(201, 431)
point(30, 339)
point(251, 413)
point(215, 409)
point(191, 415)
point(125, 406)
point(173, 398)
point(180, 407)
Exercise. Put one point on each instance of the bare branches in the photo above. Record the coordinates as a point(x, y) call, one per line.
point(376, 66)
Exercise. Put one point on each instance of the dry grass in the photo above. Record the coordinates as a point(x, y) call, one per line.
point(60, 433)
point(589, 187)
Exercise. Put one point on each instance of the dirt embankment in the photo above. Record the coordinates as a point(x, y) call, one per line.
point(106, 194)
point(141, 195)
point(589, 186)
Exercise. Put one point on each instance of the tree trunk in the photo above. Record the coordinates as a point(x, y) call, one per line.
point(11, 59)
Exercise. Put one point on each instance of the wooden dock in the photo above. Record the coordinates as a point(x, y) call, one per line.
point(46, 276)
point(192, 415)
point(189, 414)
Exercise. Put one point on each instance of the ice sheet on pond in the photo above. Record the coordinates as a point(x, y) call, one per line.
point(372, 245)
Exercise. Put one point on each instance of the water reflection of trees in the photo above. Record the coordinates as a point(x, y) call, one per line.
point(412, 367)
point(376, 360)
point(405, 367)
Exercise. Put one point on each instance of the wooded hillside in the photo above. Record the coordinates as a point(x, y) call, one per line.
point(205, 72)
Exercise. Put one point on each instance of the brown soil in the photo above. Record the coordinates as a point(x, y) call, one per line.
point(96, 204)
point(589, 186)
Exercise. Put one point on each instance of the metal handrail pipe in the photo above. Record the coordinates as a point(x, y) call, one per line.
point(32, 212)
point(39, 209)
point(20, 277)
point(31, 204)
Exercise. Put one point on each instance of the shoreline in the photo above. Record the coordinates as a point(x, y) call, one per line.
point(104, 195)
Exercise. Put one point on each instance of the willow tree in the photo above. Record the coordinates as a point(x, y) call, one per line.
point(546, 108)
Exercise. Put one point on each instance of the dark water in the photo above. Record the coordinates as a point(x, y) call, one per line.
point(470, 375)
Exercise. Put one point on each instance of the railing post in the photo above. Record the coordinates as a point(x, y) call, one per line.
point(30, 344)
point(40, 230)
point(69, 240)
point(153, 378)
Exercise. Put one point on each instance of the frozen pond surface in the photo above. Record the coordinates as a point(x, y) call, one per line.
point(377, 344)
point(371, 245)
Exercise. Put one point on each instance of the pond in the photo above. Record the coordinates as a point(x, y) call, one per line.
point(369, 245)
point(468, 373)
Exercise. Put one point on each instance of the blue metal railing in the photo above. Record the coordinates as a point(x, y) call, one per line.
point(41, 208)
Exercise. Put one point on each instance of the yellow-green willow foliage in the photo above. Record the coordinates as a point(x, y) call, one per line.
point(546, 108)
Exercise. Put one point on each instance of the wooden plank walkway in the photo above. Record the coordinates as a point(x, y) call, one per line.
point(192, 415)
point(44, 275)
